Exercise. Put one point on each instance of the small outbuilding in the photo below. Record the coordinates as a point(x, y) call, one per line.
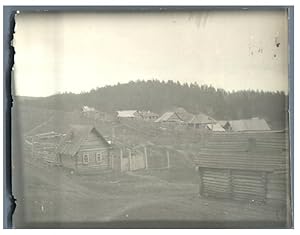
point(251, 166)
point(129, 114)
point(253, 124)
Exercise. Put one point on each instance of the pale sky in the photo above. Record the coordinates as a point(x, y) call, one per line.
point(77, 52)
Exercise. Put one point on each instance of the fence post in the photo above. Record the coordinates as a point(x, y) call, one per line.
point(121, 159)
point(129, 159)
point(201, 186)
point(32, 147)
point(113, 135)
point(230, 182)
point(265, 183)
point(146, 157)
point(168, 159)
point(112, 160)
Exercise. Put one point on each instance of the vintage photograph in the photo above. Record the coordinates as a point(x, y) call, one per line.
point(161, 118)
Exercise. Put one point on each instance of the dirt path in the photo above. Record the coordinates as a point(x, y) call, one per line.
point(52, 194)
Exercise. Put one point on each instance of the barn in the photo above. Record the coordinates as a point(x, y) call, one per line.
point(249, 166)
point(84, 150)
point(253, 124)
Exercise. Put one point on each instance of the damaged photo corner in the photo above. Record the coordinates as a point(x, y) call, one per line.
point(150, 118)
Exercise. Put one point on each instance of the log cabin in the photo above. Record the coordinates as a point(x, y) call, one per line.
point(84, 150)
point(247, 166)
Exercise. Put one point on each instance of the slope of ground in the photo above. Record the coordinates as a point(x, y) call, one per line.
point(54, 195)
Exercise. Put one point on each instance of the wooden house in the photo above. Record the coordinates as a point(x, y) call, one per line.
point(251, 166)
point(92, 113)
point(170, 117)
point(84, 150)
point(202, 121)
point(148, 115)
point(184, 115)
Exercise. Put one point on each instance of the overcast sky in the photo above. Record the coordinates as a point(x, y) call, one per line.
point(77, 52)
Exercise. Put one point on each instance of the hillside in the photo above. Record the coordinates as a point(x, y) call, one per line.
point(161, 96)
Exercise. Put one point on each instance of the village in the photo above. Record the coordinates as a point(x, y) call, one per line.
point(222, 161)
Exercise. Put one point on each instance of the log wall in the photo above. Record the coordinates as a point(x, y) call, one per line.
point(251, 166)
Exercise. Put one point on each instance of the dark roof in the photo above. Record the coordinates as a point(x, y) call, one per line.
point(202, 119)
point(77, 134)
point(230, 150)
point(169, 117)
point(183, 114)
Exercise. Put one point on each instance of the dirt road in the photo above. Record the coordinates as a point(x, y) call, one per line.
point(52, 194)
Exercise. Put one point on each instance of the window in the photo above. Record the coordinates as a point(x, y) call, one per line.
point(99, 157)
point(85, 158)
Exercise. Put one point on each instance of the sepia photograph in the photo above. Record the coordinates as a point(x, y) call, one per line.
point(151, 118)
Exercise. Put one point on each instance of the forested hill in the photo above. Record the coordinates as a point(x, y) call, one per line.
point(162, 96)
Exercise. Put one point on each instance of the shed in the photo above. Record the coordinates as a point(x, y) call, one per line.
point(84, 150)
point(130, 114)
point(251, 166)
point(43, 146)
point(253, 124)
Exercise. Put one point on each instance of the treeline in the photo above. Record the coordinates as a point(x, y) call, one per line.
point(160, 96)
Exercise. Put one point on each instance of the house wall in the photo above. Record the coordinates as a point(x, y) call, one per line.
point(243, 185)
point(277, 186)
point(245, 166)
point(92, 146)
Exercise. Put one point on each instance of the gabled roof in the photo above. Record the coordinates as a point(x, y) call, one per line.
point(75, 137)
point(183, 114)
point(127, 113)
point(215, 127)
point(202, 119)
point(169, 117)
point(254, 124)
point(222, 122)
